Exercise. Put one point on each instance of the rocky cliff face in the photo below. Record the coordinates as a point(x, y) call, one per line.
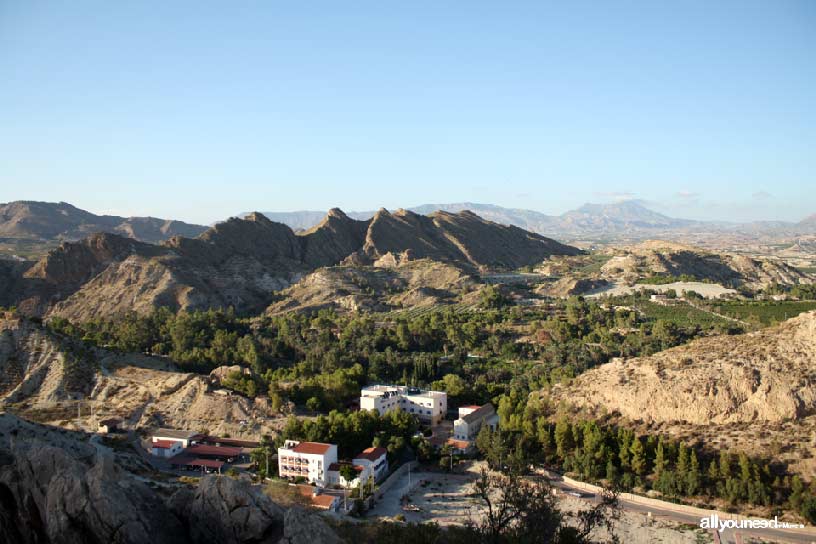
point(58, 487)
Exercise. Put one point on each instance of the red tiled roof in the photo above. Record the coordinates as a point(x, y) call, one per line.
point(209, 463)
point(459, 444)
point(372, 454)
point(221, 451)
point(471, 406)
point(314, 448)
point(323, 501)
point(164, 444)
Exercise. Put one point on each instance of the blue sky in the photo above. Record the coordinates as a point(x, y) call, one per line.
point(200, 110)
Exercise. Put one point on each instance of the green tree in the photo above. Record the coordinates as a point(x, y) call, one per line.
point(638, 460)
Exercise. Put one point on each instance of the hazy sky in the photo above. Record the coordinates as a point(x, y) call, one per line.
point(200, 110)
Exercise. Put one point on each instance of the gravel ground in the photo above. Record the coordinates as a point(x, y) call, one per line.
point(444, 499)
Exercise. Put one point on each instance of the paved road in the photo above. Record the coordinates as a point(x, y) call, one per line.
point(669, 512)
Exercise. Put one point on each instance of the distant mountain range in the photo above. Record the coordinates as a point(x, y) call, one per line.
point(628, 219)
point(48, 221)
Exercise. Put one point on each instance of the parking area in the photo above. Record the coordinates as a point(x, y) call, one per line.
point(438, 496)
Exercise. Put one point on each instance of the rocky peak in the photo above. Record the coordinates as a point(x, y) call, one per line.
point(336, 213)
point(74, 262)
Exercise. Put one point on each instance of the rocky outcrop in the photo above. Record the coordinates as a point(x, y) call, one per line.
point(300, 527)
point(56, 488)
point(228, 511)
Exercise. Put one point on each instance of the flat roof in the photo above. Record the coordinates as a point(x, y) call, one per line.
point(313, 448)
point(234, 442)
point(175, 433)
point(218, 451)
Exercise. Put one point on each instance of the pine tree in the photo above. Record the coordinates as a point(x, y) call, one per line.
point(745, 467)
point(660, 460)
point(563, 437)
point(682, 460)
point(725, 465)
point(693, 476)
point(638, 460)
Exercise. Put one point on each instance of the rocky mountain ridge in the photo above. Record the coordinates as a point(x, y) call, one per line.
point(243, 262)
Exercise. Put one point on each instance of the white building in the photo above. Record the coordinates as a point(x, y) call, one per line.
point(428, 406)
point(470, 422)
point(375, 460)
point(310, 460)
point(166, 448)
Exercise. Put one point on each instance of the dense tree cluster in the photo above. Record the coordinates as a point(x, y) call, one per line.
point(320, 361)
point(354, 431)
point(617, 456)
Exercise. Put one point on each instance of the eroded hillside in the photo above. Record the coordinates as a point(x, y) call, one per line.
point(44, 377)
point(754, 392)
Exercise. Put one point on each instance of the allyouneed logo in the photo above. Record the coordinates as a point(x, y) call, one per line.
point(714, 522)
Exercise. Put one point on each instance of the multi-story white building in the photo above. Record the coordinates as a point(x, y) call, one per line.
point(310, 460)
point(428, 406)
point(470, 422)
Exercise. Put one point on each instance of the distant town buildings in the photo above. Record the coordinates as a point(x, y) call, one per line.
point(428, 406)
point(308, 460)
point(470, 422)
